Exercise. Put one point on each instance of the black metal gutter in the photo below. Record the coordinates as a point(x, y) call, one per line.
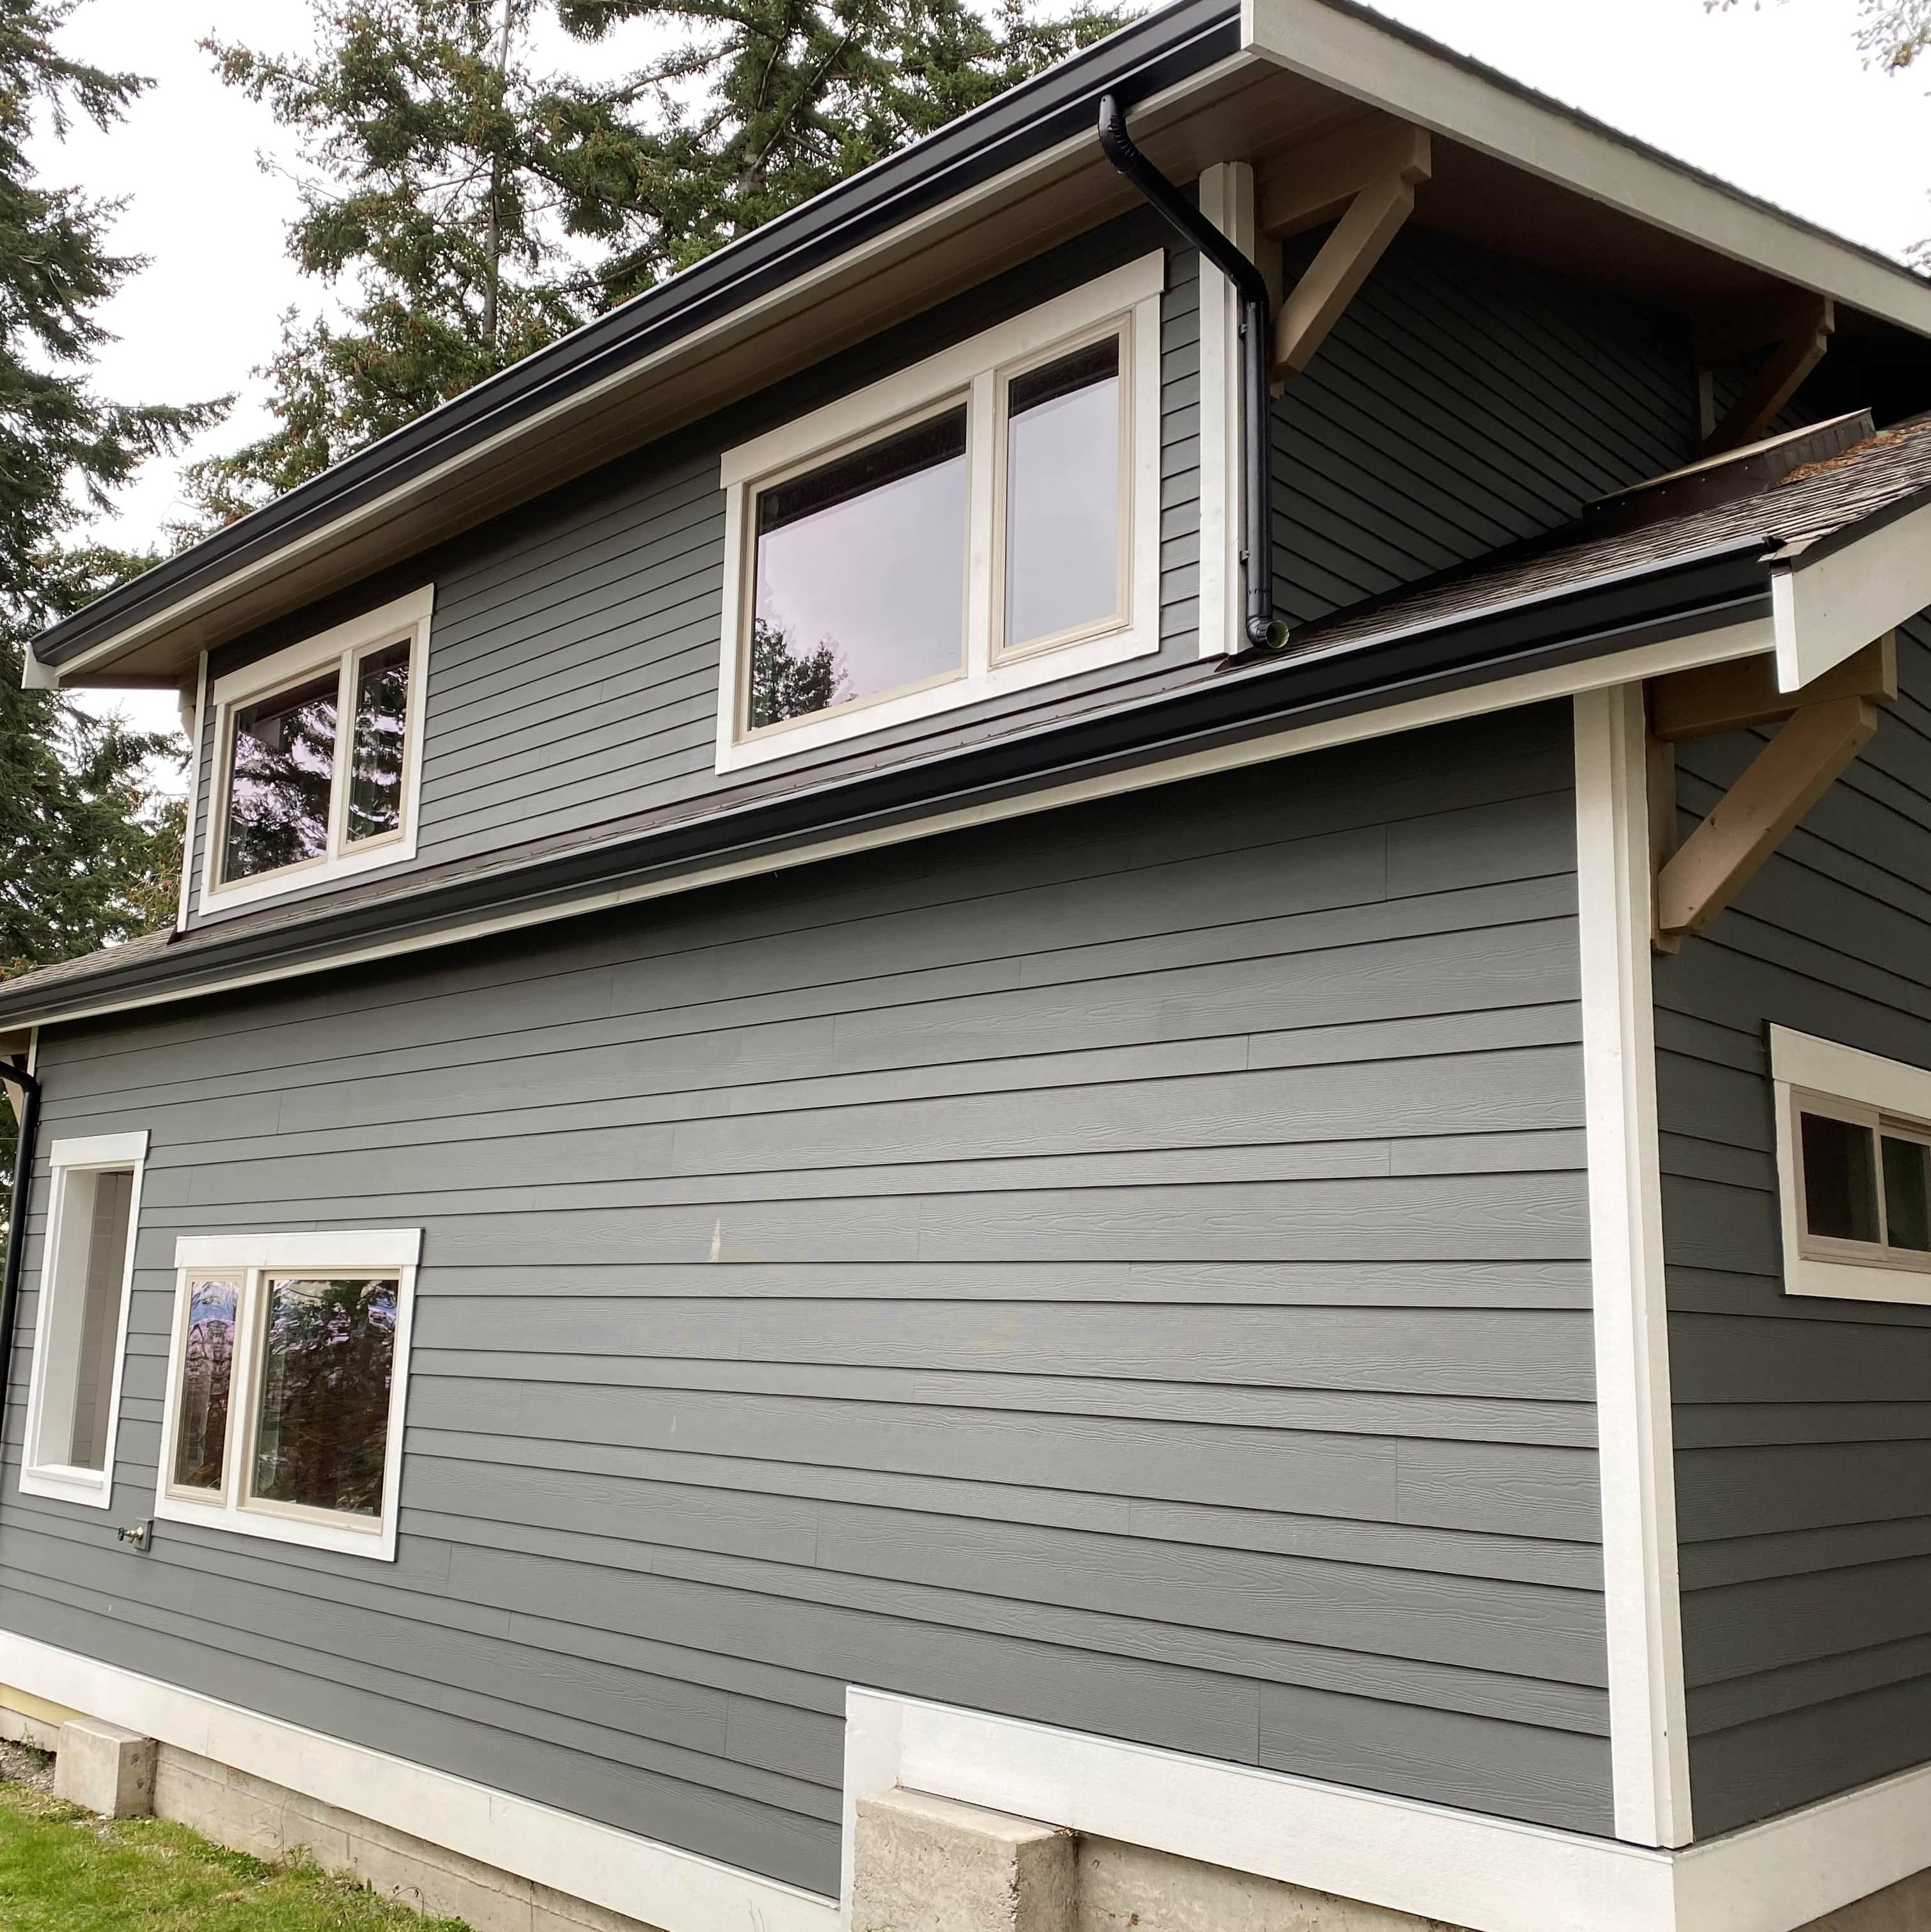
point(1263, 629)
point(16, 1220)
point(1141, 60)
point(1612, 613)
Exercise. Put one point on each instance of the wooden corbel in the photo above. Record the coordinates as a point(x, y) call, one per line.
point(1821, 729)
point(1365, 175)
point(1795, 327)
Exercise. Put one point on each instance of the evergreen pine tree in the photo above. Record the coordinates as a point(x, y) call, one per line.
point(84, 852)
point(467, 209)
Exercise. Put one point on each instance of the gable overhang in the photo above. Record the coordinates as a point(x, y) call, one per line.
point(1206, 80)
point(1352, 51)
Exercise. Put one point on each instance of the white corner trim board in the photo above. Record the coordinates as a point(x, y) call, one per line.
point(676, 1890)
point(1648, 1731)
point(1462, 1868)
point(1227, 200)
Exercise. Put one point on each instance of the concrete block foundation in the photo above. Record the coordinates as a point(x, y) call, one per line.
point(275, 1824)
point(931, 1865)
point(105, 1769)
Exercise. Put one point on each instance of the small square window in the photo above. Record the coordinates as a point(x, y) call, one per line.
point(80, 1319)
point(285, 1398)
point(1854, 1158)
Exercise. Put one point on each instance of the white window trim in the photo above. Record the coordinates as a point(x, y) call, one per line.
point(972, 370)
point(407, 617)
point(384, 1251)
point(1801, 1064)
point(94, 1154)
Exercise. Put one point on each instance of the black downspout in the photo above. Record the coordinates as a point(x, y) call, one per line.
point(16, 1220)
point(1263, 630)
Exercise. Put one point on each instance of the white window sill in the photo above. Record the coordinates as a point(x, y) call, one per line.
point(1856, 1281)
point(91, 1488)
point(958, 694)
point(281, 883)
point(377, 1540)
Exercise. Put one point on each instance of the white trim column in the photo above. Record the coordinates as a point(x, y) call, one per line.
point(1649, 1748)
point(1226, 200)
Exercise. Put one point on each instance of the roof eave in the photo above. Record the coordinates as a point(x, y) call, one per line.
point(1343, 45)
point(1725, 586)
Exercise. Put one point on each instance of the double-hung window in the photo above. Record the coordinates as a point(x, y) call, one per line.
point(286, 1372)
point(80, 1322)
point(1854, 1170)
point(318, 757)
point(983, 521)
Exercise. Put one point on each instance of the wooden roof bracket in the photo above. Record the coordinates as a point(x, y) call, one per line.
point(1822, 728)
point(1795, 327)
point(1365, 176)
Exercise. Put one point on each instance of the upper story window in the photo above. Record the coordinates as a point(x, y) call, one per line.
point(318, 757)
point(80, 1322)
point(987, 519)
point(286, 1385)
point(1854, 1170)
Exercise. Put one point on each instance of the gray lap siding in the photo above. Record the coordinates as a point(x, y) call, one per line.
point(1803, 1426)
point(1127, 1269)
point(574, 664)
point(1461, 403)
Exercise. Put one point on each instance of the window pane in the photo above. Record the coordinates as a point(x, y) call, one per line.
point(1062, 495)
point(376, 751)
point(860, 575)
point(201, 1441)
point(1907, 1194)
point(327, 1350)
point(99, 1311)
point(283, 760)
point(1839, 1179)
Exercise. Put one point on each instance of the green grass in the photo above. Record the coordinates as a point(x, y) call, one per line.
point(64, 1871)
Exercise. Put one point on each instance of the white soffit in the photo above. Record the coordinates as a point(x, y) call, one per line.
point(1386, 69)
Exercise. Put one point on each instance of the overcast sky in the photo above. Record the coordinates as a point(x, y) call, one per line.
point(1776, 100)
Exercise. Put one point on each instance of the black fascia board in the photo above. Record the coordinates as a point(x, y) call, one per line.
point(1139, 60)
point(1722, 586)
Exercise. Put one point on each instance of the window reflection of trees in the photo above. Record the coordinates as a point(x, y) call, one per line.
point(284, 767)
point(209, 1364)
point(328, 1352)
point(377, 748)
point(789, 682)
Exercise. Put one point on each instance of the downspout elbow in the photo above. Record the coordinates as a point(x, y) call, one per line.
point(1262, 629)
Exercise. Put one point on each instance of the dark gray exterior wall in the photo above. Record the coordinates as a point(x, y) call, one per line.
point(1803, 1426)
point(574, 658)
point(1462, 402)
point(1150, 1295)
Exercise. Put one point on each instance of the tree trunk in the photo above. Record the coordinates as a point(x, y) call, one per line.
point(493, 241)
